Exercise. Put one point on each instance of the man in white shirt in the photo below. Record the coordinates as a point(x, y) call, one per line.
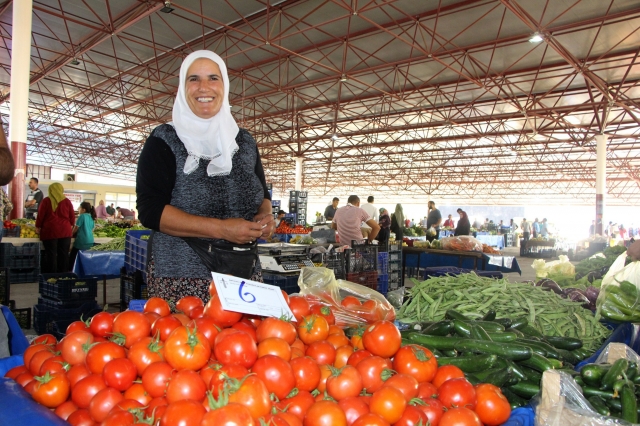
point(371, 210)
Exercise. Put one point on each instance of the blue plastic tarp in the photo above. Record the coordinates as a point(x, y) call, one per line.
point(523, 416)
point(492, 240)
point(98, 263)
point(515, 267)
point(626, 333)
point(18, 409)
point(17, 341)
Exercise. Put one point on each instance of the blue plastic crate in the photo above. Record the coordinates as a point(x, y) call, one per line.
point(288, 283)
point(275, 203)
point(137, 305)
point(283, 237)
point(44, 316)
point(135, 251)
point(22, 256)
point(383, 263)
point(11, 233)
point(383, 284)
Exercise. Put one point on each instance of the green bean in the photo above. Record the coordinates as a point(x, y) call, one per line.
point(116, 244)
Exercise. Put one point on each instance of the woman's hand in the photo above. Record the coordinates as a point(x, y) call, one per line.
point(634, 250)
point(265, 219)
point(241, 231)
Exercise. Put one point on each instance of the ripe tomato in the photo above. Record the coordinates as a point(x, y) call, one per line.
point(151, 316)
point(164, 326)
point(406, 384)
point(145, 352)
point(32, 350)
point(374, 370)
point(231, 414)
point(313, 328)
point(235, 347)
point(207, 327)
point(358, 356)
point(133, 326)
point(156, 377)
point(306, 372)
point(416, 361)
point(299, 306)
point(344, 383)
point(338, 340)
point(196, 312)
point(276, 374)
point(354, 408)
point(80, 417)
point(184, 320)
point(118, 418)
point(325, 413)
point(52, 365)
point(15, 372)
point(86, 389)
point(457, 393)
point(101, 324)
point(157, 305)
point(427, 390)
point(324, 311)
point(446, 372)
point(51, 390)
point(342, 356)
point(349, 301)
point(24, 378)
point(187, 348)
point(274, 346)
point(102, 403)
point(183, 413)
point(274, 327)
point(389, 403)
point(155, 404)
point(65, 409)
point(76, 326)
point(246, 326)
point(77, 373)
point(188, 303)
point(186, 384)
point(413, 416)
point(101, 353)
point(45, 339)
point(382, 338)
point(371, 419)
point(290, 419)
point(325, 372)
point(297, 404)
point(119, 374)
point(223, 318)
point(137, 392)
point(356, 342)
point(492, 407)
point(253, 394)
point(322, 351)
point(219, 377)
point(38, 359)
point(460, 416)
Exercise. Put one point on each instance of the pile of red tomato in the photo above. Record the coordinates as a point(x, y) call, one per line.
point(207, 366)
point(8, 224)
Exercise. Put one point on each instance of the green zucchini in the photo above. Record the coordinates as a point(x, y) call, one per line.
point(629, 403)
point(517, 332)
point(548, 350)
point(497, 376)
point(590, 391)
point(470, 364)
point(534, 347)
point(515, 401)
point(477, 332)
point(420, 326)
point(440, 328)
point(529, 330)
point(518, 323)
point(616, 406)
point(632, 371)
point(489, 326)
point(599, 405)
point(518, 371)
point(489, 316)
point(437, 342)
point(462, 328)
point(453, 314)
point(532, 375)
point(566, 343)
point(525, 389)
point(450, 353)
point(505, 322)
point(472, 379)
point(568, 356)
point(579, 381)
point(614, 373)
point(512, 351)
point(619, 384)
point(506, 337)
point(541, 363)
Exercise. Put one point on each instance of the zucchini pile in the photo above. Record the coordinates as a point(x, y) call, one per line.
point(612, 389)
point(510, 354)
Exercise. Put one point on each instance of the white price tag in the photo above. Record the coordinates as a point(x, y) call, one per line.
point(250, 297)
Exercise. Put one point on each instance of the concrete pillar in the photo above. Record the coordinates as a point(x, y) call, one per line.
point(19, 102)
point(601, 181)
point(299, 161)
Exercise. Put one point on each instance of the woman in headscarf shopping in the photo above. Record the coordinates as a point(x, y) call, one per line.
point(385, 223)
point(56, 217)
point(201, 188)
point(397, 223)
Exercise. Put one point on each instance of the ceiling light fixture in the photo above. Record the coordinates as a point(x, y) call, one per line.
point(167, 7)
point(334, 137)
point(74, 61)
point(536, 38)
point(344, 77)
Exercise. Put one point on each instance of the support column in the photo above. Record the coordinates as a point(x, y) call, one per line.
point(299, 161)
point(601, 181)
point(19, 102)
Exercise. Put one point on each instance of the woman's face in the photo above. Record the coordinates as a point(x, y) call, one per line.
point(204, 88)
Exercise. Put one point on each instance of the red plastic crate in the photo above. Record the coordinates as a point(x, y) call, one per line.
point(367, 279)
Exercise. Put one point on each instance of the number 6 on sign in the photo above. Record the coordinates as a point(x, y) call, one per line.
point(250, 297)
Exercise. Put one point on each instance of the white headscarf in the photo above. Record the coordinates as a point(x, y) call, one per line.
point(211, 139)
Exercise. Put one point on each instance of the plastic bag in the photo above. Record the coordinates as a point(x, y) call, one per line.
point(319, 286)
point(561, 402)
point(560, 267)
point(396, 297)
point(461, 243)
point(619, 298)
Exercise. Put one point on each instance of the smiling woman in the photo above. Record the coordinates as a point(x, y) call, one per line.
point(201, 188)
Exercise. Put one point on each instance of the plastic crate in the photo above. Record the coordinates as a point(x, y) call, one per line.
point(5, 286)
point(23, 316)
point(275, 203)
point(394, 266)
point(59, 304)
point(132, 287)
point(361, 258)
point(383, 263)
point(395, 246)
point(288, 283)
point(44, 316)
point(367, 279)
point(137, 305)
point(11, 233)
point(298, 194)
point(59, 328)
point(283, 237)
point(23, 275)
point(67, 287)
point(22, 256)
point(394, 255)
point(335, 262)
point(383, 284)
point(135, 252)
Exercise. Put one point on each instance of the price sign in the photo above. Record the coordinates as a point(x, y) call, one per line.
point(250, 297)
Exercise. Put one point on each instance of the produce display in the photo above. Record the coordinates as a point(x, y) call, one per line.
point(284, 228)
point(461, 243)
point(545, 311)
point(115, 229)
point(207, 366)
point(587, 295)
point(115, 244)
point(597, 266)
point(620, 303)
point(489, 250)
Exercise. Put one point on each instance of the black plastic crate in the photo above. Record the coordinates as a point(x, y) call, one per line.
point(394, 266)
point(44, 316)
point(23, 275)
point(67, 287)
point(132, 287)
point(335, 262)
point(11, 233)
point(5, 286)
point(367, 279)
point(361, 258)
point(60, 304)
point(24, 256)
point(59, 328)
point(288, 283)
point(298, 194)
point(23, 316)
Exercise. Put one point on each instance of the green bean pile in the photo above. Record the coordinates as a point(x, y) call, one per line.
point(474, 296)
point(116, 244)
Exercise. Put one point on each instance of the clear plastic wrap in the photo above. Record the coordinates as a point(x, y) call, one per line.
point(319, 286)
point(461, 243)
point(396, 297)
point(561, 267)
point(619, 298)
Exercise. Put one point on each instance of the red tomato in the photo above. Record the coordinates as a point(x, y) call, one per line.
point(145, 352)
point(156, 377)
point(31, 351)
point(299, 306)
point(274, 327)
point(223, 318)
point(236, 347)
point(338, 340)
point(45, 339)
point(51, 389)
point(446, 372)
point(246, 326)
point(186, 384)
point(197, 312)
point(54, 364)
point(183, 413)
point(374, 370)
point(119, 374)
point(276, 374)
point(313, 328)
point(188, 303)
point(492, 407)
point(406, 384)
point(457, 393)
point(86, 389)
point(350, 301)
point(77, 373)
point(118, 418)
point(231, 414)
point(137, 392)
point(207, 327)
point(65, 409)
point(153, 405)
point(219, 377)
point(297, 404)
point(413, 416)
point(38, 359)
point(416, 361)
point(325, 413)
point(358, 356)
point(253, 394)
point(102, 403)
point(354, 408)
point(101, 353)
point(151, 316)
point(427, 390)
point(157, 305)
point(80, 417)
point(184, 320)
point(307, 373)
point(164, 326)
point(389, 403)
point(77, 326)
point(101, 324)
point(133, 326)
point(187, 348)
point(286, 296)
point(24, 378)
point(371, 419)
point(15, 372)
point(460, 417)
point(343, 353)
point(344, 383)
point(274, 346)
point(324, 311)
point(322, 351)
point(382, 338)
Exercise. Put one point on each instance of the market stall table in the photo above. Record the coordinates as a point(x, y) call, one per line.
point(532, 247)
point(101, 264)
point(461, 259)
